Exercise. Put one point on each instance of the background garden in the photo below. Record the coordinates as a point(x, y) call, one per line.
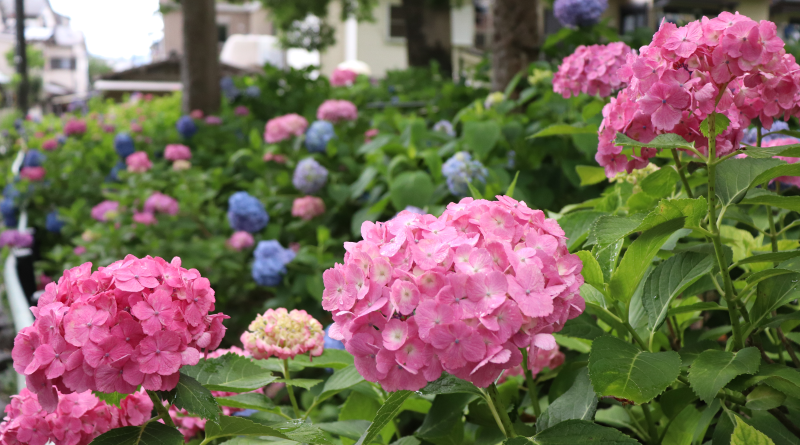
point(604, 251)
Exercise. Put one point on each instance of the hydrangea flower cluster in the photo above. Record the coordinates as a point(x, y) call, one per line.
point(15, 238)
point(138, 162)
point(460, 293)
point(75, 127)
point(460, 170)
point(309, 176)
point(751, 134)
point(335, 111)
point(134, 322)
point(240, 240)
point(33, 158)
point(8, 206)
point(777, 142)
point(591, 70)
point(177, 152)
point(246, 213)
point(343, 77)
point(284, 127)
point(574, 13)
point(284, 334)
point(161, 203)
point(50, 145)
point(80, 418)
point(370, 134)
point(53, 222)
point(493, 99)
point(186, 127)
point(308, 207)
point(32, 173)
point(318, 136)
point(105, 211)
point(241, 110)
point(270, 262)
point(124, 145)
point(444, 126)
point(213, 120)
point(729, 64)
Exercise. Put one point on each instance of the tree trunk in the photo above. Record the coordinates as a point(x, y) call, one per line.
point(200, 71)
point(515, 43)
point(21, 58)
point(428, 34)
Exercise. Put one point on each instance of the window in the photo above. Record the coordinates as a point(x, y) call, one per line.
point(222, 33)
point(632, 18)
point(397, 22)
point(62, 63)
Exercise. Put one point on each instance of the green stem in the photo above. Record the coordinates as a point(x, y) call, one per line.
point(679, 167)
point(738, 341)
point(289, 388)
point(532, 391)
point(651, 426)
point(499, 411)
point(636, 336)
point(162, 411)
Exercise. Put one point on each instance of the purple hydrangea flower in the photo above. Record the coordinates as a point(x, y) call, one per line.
point(246, 213)
point(309, 176)
point(579, 12)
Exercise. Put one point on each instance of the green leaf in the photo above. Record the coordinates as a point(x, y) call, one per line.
point(151, 433)
point(572, 432)
point(767, 198)
point(110, 398)
point(474, 192)
point(771, 294)
point(510, 189)
point(770, 257)
point(712, 370)
point(376, 144)
point(637, 259)
point(591, 271)
point(448, 384)
point(579, 402)
point(667, 141)
point(736, 176)
point(564, 130)
point(445, 413)
point(413, 188)
point(705, 306)
point(792, 150)
point(351, 429)
point(620, 369)
point(239, 426)
point(196, 399)
point(250, 400)
point(745, 434)
point(590, 175)
point(364, 180)
point(385, 414)
point(230, 372)
point(301, 383)
point(608, 229)
point(661, 183)
point(576, 226)
point(582, 326)
point(783, 169)
point(780, 377)
point(773, 428)
point(721, 123)
point(764, 397)
point(766, 273)
point(330, 358)
point(339, 381)
point(668, 280)
point(681, 430)
point(481, 137)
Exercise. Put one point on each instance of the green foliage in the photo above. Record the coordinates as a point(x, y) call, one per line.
point(230, 372)
point(152, 433)
point(580, 402)
point(712, 370)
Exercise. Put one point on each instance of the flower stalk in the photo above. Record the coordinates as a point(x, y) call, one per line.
point(499, 411)
point(285, 364)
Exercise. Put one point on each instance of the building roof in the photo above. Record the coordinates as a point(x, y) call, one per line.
point(168, 70)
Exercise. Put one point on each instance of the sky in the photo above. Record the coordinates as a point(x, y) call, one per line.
point(114, 29)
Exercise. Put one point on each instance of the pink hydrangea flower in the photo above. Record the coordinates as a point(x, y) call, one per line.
point(333, 110)
point(284, 334)
point(343, 77)
point(308, 207)
point(591, 70)
point(370, 134)
point(460, 293)
point(729, 64)
point(15, 238)
point(213, 120)
point(276, 158)
point(105, 211)
point(177, 152)
point(50, 145)
point(146, 218)
point(161, 203)
point(79, 250)
point(74, 127)
point(32, 173)
point(241, 110)
point(138, 162)
point(136, 127)
point(196, 114)
point(134, 322)
point(240, 240)
point(79, 418)
point(284, 127)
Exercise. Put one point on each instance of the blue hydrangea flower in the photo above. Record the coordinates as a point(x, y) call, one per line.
point(270, 262)
point(229, 89)
point(123, 145)
point(10, 192)
point(460, 170)
point(246, 213)
point(331, 343)
point(61, 139)
point(309, 176)
point(318, 135)
point(511, 160)
point(253, 91)
point(751, 134)
point(53, 223)
point(186, 126)
point(444, 126)
point(579, 12)
point(113, 175)
point(33, 158)
point(9, 212)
